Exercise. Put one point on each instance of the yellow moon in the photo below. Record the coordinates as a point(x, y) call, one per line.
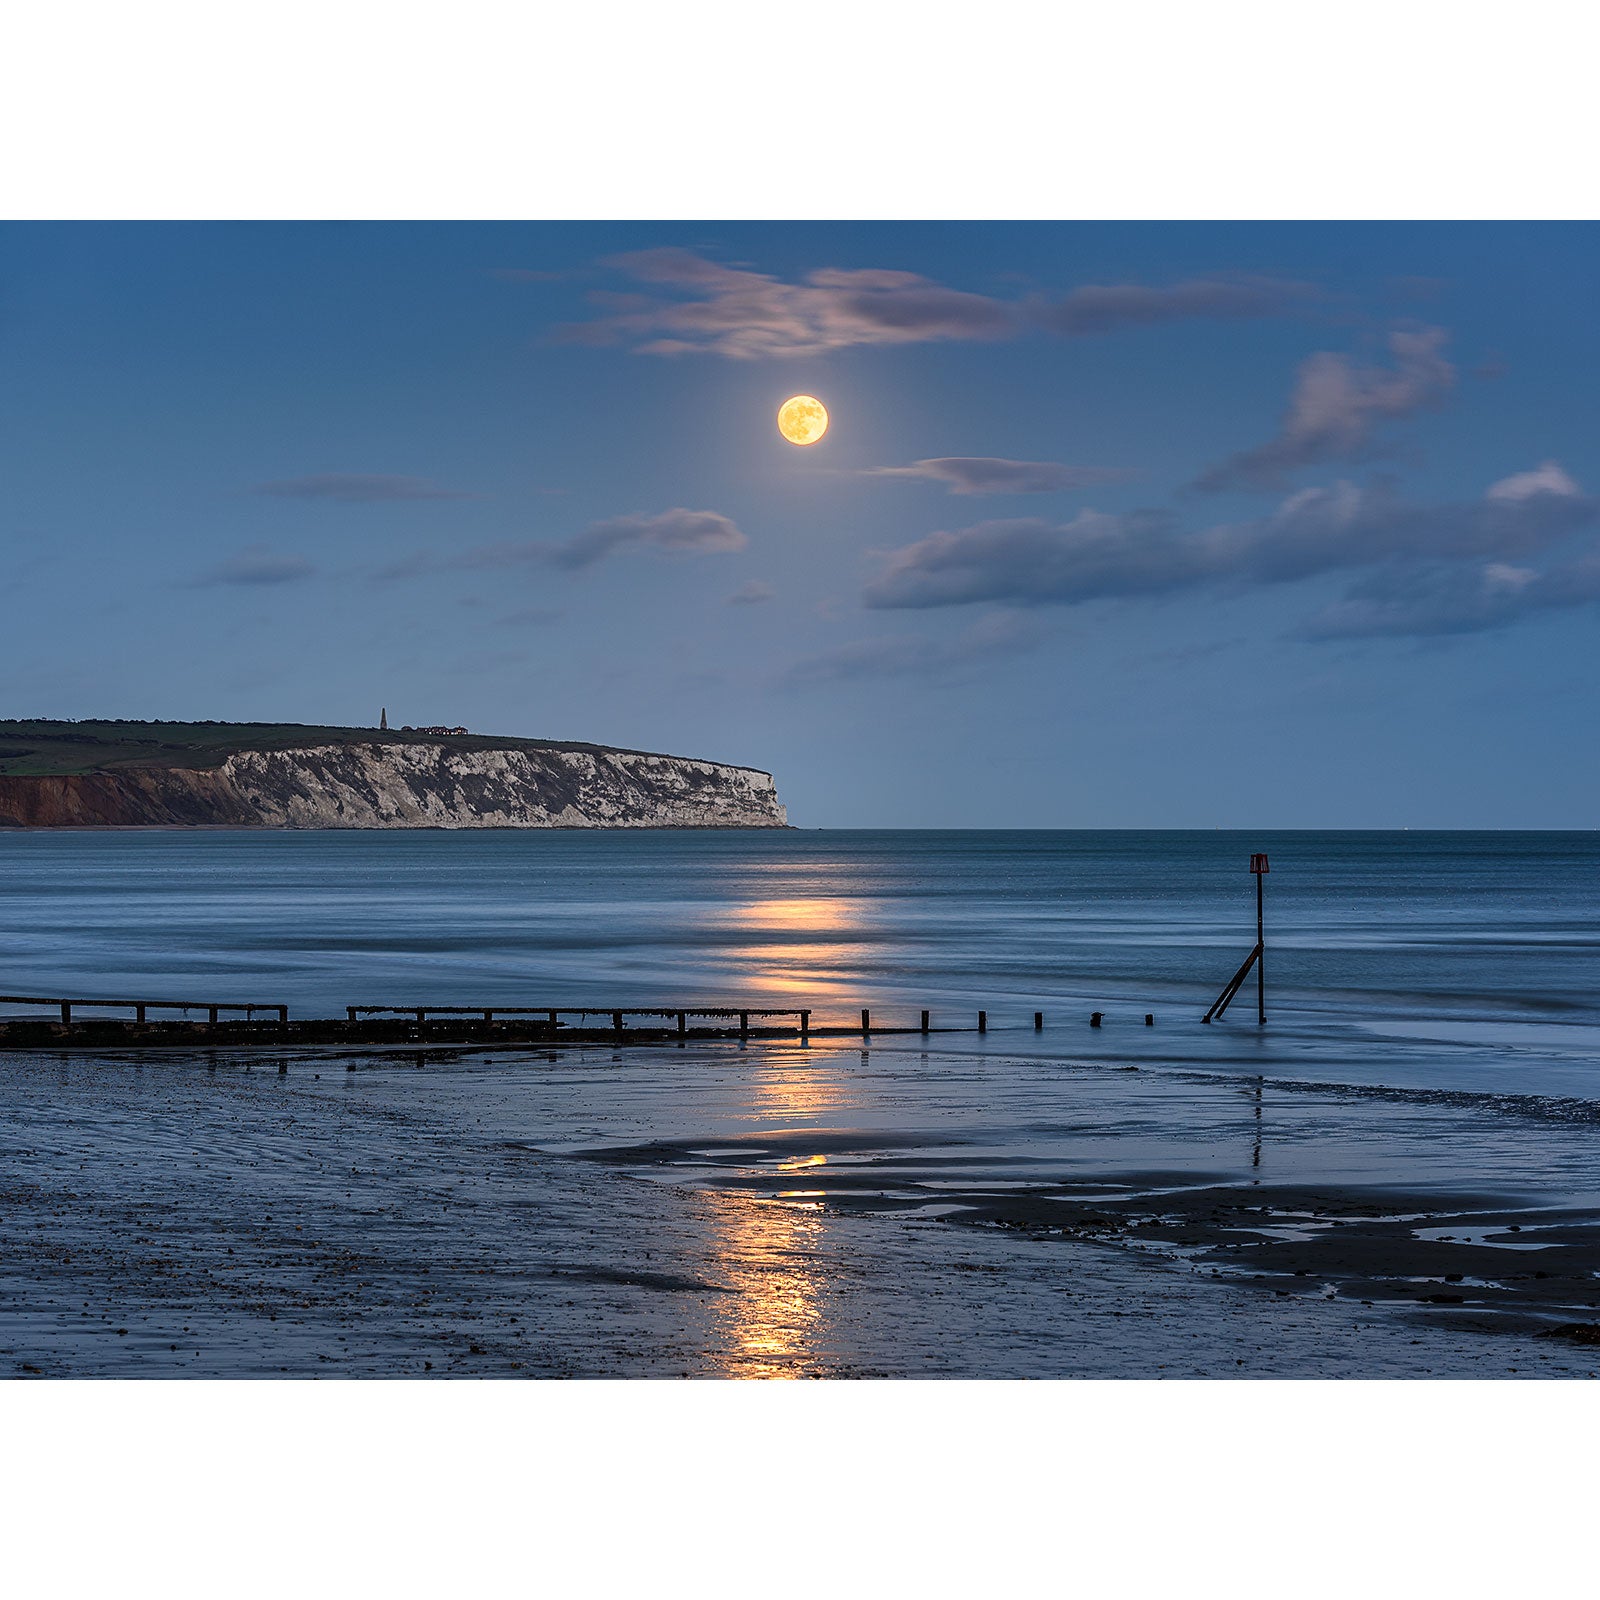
point(802, 420)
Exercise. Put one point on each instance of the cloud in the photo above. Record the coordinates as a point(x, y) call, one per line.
point(1438, 601)
point(1546, 478)
point(1335, 407)
point(416, 565)
point(742, 314)
point(1095, 556)
point(678, 532)
point(697, 305)
point(257, 566)
point(1029, 561)
point(944, 659)
point(357, 487)
point(1106, 308)
point(751, 593)
point(996, 475)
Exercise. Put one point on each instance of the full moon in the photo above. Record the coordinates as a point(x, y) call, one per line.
point(802, 420)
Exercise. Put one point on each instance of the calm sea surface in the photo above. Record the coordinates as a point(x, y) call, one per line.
point(1463, 942)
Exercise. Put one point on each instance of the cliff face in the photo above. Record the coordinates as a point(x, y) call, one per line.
point(404, 786)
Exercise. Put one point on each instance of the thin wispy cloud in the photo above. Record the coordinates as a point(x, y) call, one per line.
point(1439, 601)
point(416, 565)
point(1549, 477)
point(256, 567)
point(997, 475)
point(936, 658)
point(675, 532)
point(1335, 407)
point(751, 593)
point(359, 487)
point(1432, 554)
point(693, 304)
point(1110, 307)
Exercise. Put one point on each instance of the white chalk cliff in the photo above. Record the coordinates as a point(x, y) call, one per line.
point(433, 786)
point(406, 785)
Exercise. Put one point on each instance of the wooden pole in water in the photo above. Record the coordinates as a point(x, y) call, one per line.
point(924, 1021)
point(983, 1022)
point(1258, 866)
point(866, 1020)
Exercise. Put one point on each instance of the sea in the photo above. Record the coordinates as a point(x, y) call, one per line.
point(1432, 1024)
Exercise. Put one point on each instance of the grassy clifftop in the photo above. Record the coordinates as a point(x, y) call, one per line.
point(50, 749)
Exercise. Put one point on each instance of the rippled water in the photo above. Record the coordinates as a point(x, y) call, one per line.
point(1464, 959)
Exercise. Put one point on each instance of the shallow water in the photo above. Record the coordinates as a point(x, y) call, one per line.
point(494, 1215)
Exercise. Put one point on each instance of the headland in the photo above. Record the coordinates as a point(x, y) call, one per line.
point(289, 775)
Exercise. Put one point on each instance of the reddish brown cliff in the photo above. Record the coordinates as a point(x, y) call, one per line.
point(130, 798)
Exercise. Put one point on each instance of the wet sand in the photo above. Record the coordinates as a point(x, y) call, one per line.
point(1512, 1264)
point(746, 1212)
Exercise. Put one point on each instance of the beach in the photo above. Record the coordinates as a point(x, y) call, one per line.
point(740, 1212)
point(1395, 1177)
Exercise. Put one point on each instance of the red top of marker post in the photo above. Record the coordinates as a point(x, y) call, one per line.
point(1258, 863)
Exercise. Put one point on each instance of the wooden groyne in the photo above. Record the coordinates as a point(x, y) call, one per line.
point(255, 1023)
point(141, 1008)
point(553, 1014)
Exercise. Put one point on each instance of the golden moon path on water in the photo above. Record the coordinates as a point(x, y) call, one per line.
point(802, 419)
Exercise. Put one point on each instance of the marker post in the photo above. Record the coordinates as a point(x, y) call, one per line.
point(1257, 957)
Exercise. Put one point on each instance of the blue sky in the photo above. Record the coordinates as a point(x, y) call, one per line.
point(1135, 524)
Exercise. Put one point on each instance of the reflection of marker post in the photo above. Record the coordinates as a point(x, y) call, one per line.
point(1258, 866)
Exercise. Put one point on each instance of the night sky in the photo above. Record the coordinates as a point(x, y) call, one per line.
point(1152, 524)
